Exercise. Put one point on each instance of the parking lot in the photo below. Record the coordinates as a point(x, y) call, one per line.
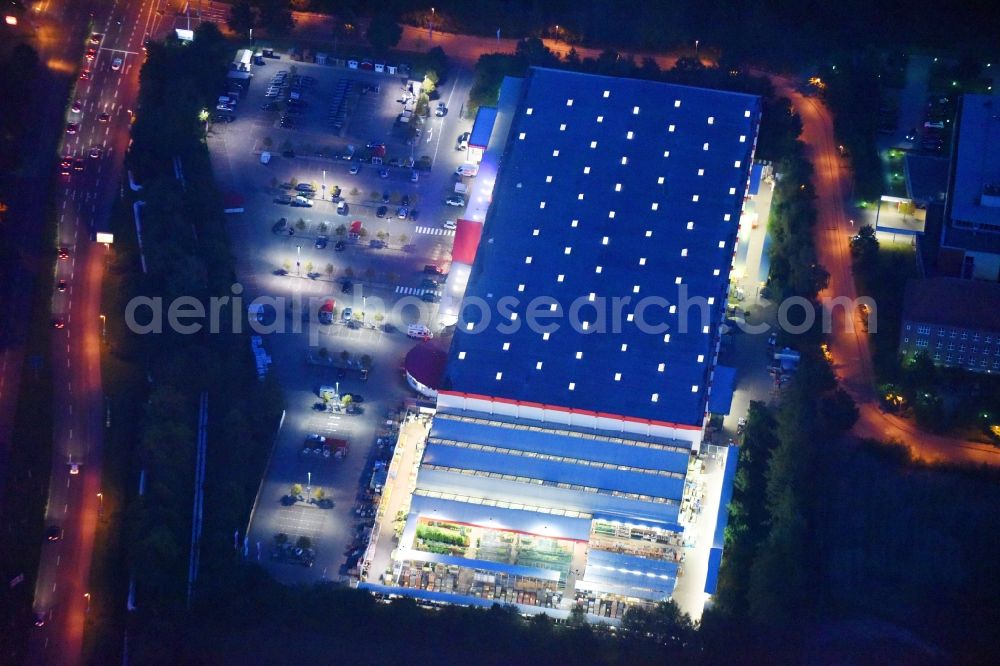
point(369, 271)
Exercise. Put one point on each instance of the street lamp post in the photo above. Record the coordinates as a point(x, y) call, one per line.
point(364, 309)
point(100, 508)
point(430, 25)
point(298, 259)
point(86, 596)
point(323, 195)
point(104, 326)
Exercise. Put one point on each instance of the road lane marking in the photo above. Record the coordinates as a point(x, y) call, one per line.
point(58, 559)
point(66, 507)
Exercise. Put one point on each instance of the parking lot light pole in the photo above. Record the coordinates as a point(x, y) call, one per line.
point(298, 259)
point(323, 195)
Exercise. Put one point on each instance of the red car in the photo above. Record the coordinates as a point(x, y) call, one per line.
point(85, 75)
point(90, 54)
point(72, 128)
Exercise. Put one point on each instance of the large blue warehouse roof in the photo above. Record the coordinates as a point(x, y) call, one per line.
point(608, 188)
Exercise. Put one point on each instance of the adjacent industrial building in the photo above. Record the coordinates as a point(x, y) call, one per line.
point(582, 371)
point(965, 334)
point(970, 235)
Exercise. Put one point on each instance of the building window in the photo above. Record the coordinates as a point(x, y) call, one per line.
point(952, 334)
point(949, 358)
point(965, 335)
point(921, 343)
point(951, 346)
point(937, 357)
point(924, 330)
point(975, 337)
point(996, 365)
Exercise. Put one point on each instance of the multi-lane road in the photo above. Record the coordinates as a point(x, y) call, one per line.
point(95, 142)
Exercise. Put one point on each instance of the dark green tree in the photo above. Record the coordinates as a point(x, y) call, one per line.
point(241, 17)
point(383, 32)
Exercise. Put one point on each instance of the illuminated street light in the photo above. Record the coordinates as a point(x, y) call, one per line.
point(86, 595)
point(10, 19)
point(104, 326)
point(203, 115)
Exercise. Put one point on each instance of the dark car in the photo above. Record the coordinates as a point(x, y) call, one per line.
point(345, 287)
point(279, 226)
point(385, 197)
point(382, 210)
point(339, 246)
point(305, 187)
point(78, 164)
point(223, 118)
point(428, 283)
point(376, 244)
point(283, 199)
point(429, 297)
point(432, 269)
point(405, 200)
point(61, 286)
point(53, 533)
point(356, 397)
point(103, 117)
point(72, 128)
point(321, 242)
point(39, 619)
point(402, 212)
point(63, 253)
point(414, 214)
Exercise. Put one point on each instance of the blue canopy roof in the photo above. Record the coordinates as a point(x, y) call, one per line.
point(483, 127)
point(723, 385)
point(714, 561)
point(756, 171)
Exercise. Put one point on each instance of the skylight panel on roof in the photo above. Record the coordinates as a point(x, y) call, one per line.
point(548, 179)
point(655, 397)
point(629, 135)
point(598, 269)
point(726, 217)
point(520, 287)
point(635, 111)
point(704, 329)
point(624, 159)
point(586, 169)
point(469, 326)
point(672, 310)
point(499, 376)
point(660, 180)
point(607, 94)
point(461, 356)
point(600, 119)
point(711, 120)
point(624, 346)
point(649, 233)
point(701, 358)
point(704, 146)
point(666, 336)
point(545, 336)
point(562, 127)
point(684, 252)
point(732, 190)
point(722, 243)
point(694, 388)
point(555, 153)
point(635, 289)
point(521, 136)
point(541, 204)
point(677, 104)
point(527, 260)
point(736, 164)
point(592, 296)
point(666, 153)
point(711, 300)
point(701, 172)
point(535, 232)
point(579, 197)
point(611, 214)
point(528, 111)
point(661, 367)
point(569, 102)
point(618, 187)
point(560, 277)
point(618, 376)
point(655, 206)
point(671, 127)
point(690, 225)
point(574, 223)
point(538, 365)
point(746, 114)
point(579, 355)
point(593, 144)
point(678, 280)
point(572, 386)
point(506, 346)
point(642, 261)
point(604, 241)
point(694, 197)
point(715, 272)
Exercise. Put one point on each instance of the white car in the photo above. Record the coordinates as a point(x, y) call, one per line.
point(450, 224)
point(74, 468)
point(355, 169)
point(455, 200)
point(116, 64)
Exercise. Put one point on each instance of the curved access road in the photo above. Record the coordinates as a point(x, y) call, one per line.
point(849, 344)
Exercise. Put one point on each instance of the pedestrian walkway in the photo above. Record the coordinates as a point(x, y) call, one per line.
point(416, 291)
point(435, 231)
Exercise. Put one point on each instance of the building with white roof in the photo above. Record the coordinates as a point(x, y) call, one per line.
point(578, 381)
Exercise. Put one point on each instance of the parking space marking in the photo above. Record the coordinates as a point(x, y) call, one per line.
point(434, 231)
point(415, 291)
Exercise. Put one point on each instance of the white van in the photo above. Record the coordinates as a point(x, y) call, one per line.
point(342, 207)
point(467, 169)
point(265, 157)
point(419, 331)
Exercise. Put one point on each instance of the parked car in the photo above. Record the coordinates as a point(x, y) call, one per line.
point(283, 199)
point(302, 202)
point(72, 128)
point(450, 224)
point(402, 212)
point(305, 187)
point(383, 173)
point(321, 242)
point(339, 246)
point(116, 63)
point(455, 200)
point(433, 269)
point(355, 169)
point(381, 211)
point(279, 226)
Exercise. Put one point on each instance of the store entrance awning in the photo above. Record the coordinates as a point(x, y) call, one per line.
point(723, 385)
